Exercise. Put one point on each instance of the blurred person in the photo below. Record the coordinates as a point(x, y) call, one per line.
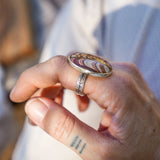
point(7, 122)
point(127, 31)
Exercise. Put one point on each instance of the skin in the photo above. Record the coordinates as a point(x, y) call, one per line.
point(130, 124)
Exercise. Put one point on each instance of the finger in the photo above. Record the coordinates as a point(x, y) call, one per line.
point(83, 102)
point(104, 127)
point(48, 74)
point(132, 70)
point(53, 92)
point(59, 98)
point(106, 119)
point(66, 128)
point(50, 92)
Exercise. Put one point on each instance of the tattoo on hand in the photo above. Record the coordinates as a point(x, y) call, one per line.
point(78, 144)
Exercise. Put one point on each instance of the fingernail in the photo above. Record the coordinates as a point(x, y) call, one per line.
point(31, 122)
point(36, 110)
point(12, 91)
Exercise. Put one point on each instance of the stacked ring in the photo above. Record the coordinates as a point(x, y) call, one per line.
point(88, 64)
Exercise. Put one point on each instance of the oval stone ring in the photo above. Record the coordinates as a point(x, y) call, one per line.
point(88, 64)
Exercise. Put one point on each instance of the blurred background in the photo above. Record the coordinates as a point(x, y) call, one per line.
point(24, 28)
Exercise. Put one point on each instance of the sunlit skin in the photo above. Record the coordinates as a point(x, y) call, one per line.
point(130, 124)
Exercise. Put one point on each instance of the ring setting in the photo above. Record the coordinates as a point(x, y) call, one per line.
point(88, 64)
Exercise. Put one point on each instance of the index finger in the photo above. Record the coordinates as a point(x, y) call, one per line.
point(55, 70)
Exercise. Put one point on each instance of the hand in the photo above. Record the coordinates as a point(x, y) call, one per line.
point(130, 124)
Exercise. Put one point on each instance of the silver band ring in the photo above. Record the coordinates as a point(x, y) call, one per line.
point(80, 84)
point(88, 64)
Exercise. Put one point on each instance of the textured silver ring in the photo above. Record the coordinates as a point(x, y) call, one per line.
point(80, 84)
point(88, 64)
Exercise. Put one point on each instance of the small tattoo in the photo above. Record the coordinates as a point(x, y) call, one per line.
point(74, 141)
point(84, 145)
point(78, 144)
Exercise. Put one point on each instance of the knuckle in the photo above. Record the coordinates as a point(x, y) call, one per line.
point(58, 61)
point(131, 68)
point(25, 74)
point(64, 127)
point(125, 80)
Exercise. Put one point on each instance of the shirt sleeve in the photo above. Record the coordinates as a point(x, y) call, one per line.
point(73, 30)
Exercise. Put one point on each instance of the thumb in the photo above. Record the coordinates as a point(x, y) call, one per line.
point(66, 128)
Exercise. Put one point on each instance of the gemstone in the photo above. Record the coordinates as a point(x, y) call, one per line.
point(90, 64)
